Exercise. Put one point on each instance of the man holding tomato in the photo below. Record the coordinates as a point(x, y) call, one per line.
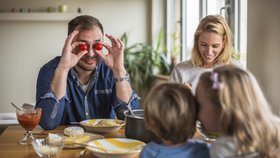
point(83, 83)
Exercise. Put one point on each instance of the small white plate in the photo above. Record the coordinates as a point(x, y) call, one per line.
point(116, 147)
point(93, 125)
point(92, 138)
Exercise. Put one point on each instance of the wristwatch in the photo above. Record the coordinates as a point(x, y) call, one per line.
point(124, 78)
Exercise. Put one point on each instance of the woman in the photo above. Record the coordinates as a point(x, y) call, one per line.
point(212, 46)
point(231, 103)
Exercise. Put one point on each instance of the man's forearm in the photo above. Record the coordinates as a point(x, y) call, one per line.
point(123, 90)
point(123, 87)
point(59, 82)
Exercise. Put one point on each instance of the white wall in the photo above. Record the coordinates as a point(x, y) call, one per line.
point(264, 47)
point(26, 45)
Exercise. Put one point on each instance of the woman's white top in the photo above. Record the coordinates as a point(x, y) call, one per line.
point(186, 72)
point(223, 147)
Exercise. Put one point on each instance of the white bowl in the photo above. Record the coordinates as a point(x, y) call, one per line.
point(94, 126)
point(44, 148)
point(115, 147)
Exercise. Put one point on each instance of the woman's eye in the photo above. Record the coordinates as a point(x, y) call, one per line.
point(216, 46)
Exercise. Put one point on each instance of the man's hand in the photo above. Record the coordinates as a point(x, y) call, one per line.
point(115, 57)
point(69, 58)
point(115, 61)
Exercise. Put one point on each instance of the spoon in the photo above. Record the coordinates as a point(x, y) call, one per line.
point(129, 108)
point(17, 107)
point(83, 153)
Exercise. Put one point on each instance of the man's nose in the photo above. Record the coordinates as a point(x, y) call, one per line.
point(91, 51)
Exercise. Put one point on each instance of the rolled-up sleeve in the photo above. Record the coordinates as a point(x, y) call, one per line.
point(120, 106)
point(52, 109)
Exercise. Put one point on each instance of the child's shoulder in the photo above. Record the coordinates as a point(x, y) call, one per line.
point(197, 142)
point(192, 148)
point(198, 148)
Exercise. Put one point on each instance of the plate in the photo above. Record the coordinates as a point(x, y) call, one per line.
point(102, 125)
point(115, 147)
point(92, 138)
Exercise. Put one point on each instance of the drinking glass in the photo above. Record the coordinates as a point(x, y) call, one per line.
point(28, 118)
point(207, 136)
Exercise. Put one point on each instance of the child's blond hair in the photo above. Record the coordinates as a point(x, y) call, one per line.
point(245, 113)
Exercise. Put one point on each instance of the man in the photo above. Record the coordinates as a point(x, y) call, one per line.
point(84, 84)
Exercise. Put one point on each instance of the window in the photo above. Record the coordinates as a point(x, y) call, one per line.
point(183, 17)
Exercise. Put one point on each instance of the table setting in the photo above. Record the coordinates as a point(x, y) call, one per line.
point(89, 138)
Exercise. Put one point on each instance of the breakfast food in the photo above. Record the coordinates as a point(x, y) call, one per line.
point(83, 47)
point(29, 119)
point(74, 131)
point(47, 150)
point(76, 135)
point(98, 46)
point(55, 138)
point(77, 139)
point(108, 123)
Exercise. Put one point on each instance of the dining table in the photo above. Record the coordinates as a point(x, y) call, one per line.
point(10, 147)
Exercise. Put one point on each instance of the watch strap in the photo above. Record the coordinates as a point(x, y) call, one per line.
point(124, 78)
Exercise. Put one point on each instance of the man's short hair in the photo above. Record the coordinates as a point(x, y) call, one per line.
point(84, 22)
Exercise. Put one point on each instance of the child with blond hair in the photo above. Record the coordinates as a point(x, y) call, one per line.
point(171, 114)
point(231, 103)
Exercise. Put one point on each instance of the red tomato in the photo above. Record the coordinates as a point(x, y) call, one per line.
point(98, 46)
point(83, 47)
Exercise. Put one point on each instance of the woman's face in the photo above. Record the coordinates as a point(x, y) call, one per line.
point(210, 45)
point(208, 114)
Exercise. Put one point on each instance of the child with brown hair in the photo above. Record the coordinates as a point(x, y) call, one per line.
point(232, 103)
point(171, 114)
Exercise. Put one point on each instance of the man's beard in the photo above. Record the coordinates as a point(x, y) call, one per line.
point(86, 67)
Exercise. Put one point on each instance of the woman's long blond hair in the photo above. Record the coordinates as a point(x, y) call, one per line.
point(217, 24)
point(245, 112)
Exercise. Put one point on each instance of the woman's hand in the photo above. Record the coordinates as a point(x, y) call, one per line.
point(189, 85)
